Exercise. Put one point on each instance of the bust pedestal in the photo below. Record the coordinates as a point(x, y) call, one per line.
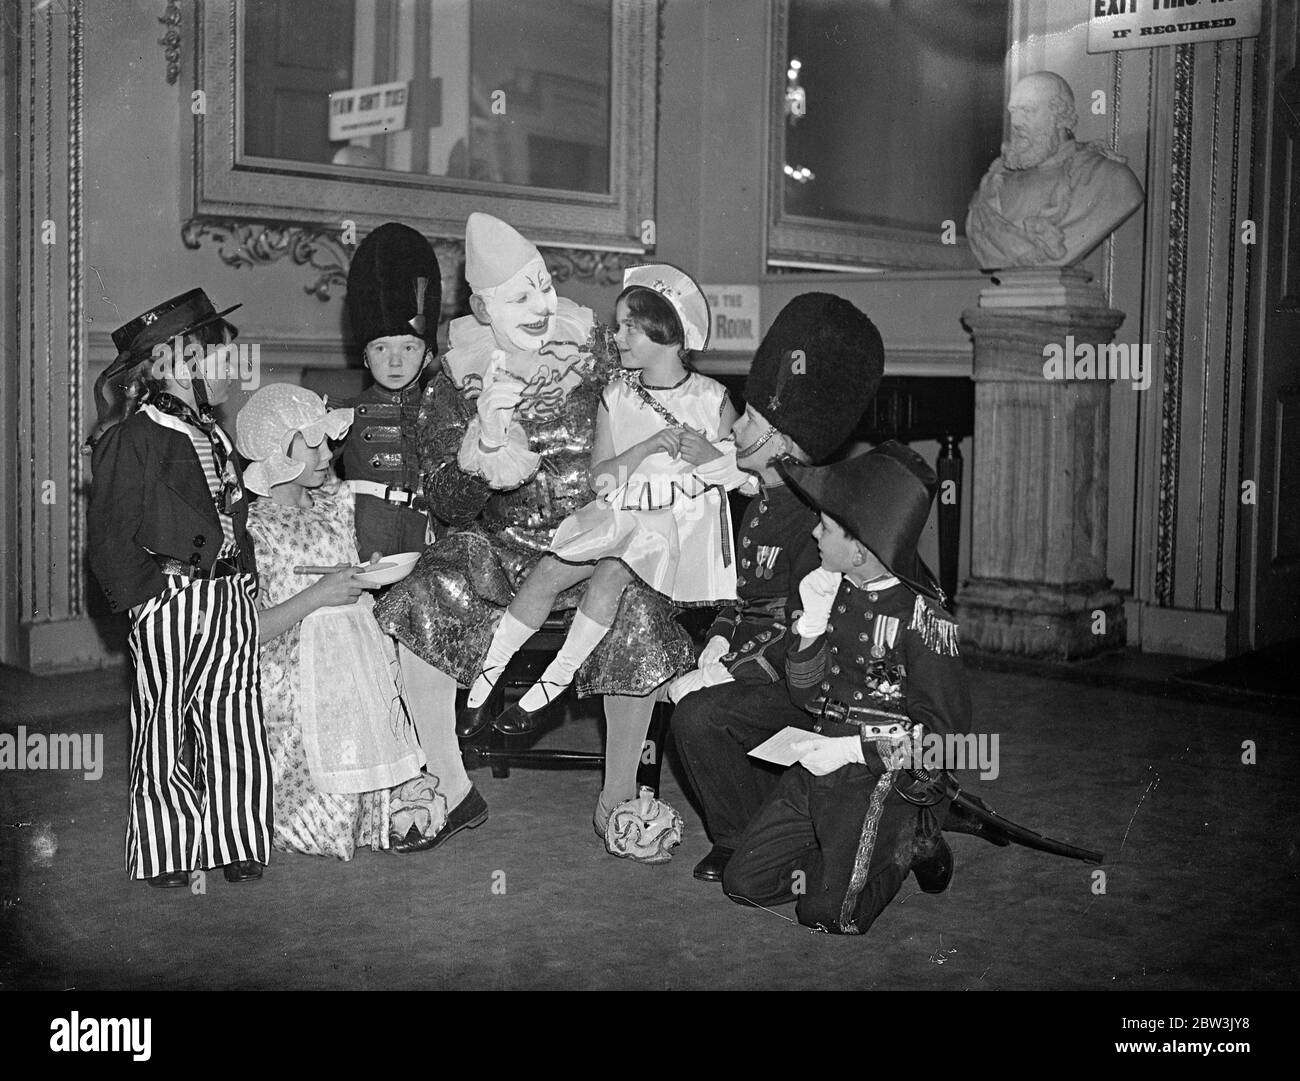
point(1042, 447)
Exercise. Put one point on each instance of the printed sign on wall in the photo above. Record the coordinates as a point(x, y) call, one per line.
point(368, 110)
point(733, 316)
point(1144, 24)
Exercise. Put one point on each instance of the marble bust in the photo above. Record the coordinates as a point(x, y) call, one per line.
point(1048, 200)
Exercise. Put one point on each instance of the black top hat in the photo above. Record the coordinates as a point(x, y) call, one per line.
point(816, 370)
point(182, 314)
point(394, 286)
point(882, 498)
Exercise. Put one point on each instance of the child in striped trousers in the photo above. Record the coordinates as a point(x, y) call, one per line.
point(168, 544)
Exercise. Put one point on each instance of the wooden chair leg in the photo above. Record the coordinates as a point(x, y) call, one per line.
point(949, 470)
point(652, 755)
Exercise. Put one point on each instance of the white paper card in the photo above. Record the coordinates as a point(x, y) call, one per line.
point(777, 748)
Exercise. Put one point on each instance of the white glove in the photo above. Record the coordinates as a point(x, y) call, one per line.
point(817, 594)
point(496, 410)
point(724, 471)
point(821, 755)
point(714, 650)
point(704, 676)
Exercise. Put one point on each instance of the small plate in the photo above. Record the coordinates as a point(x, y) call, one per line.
point(403, 564)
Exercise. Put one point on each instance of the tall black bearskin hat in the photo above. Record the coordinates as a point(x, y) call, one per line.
point(394, 286)
point(816, 370)
point(882, 498)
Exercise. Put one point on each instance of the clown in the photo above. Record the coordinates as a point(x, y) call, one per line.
point(506, 440)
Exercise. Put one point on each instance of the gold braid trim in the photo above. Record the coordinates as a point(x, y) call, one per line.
point(939, 635)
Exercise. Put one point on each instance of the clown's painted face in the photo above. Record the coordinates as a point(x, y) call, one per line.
point(521, 309)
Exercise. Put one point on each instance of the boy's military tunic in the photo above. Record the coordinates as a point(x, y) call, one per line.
point(889, 656)
point(382, 448)
point(775, 551)
point(716, 727)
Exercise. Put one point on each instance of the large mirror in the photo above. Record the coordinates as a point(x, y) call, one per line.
point(886, 113)
point(541, 112)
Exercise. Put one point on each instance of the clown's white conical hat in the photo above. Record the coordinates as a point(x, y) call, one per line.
point(494, 251)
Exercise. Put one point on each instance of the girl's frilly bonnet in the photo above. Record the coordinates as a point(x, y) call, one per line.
point(266, 426)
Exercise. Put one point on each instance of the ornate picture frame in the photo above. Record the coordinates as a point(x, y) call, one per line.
point(231, 187)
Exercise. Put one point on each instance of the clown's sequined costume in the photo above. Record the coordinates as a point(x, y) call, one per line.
point(448, 609)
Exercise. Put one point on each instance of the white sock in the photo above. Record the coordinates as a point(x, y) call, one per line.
point(509, 636)
point(583, 637)
point(432, 697)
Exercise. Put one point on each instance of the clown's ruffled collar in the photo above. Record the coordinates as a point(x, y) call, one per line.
point(473, 350)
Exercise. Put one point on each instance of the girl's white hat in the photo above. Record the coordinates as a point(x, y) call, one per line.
point(266, 426)
point(679, 289)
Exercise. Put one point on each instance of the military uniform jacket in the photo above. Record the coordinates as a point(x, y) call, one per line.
point(774, 551)
point(149, 494)
point(382, 446)
point(888, 649)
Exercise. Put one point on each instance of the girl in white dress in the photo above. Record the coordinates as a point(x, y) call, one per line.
point(654, 516)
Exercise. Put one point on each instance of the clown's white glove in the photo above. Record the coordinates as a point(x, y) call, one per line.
point(496, 410)
point(817, 594)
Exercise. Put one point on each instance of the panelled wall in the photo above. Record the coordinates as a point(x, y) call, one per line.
point(99, 150)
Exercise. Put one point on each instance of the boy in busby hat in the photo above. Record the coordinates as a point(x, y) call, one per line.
point(168, 544)
point(872, 658)
point(394, 299)
point(815, 372)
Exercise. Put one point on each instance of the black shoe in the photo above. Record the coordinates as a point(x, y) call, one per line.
point(242, 871)
point(170, 880)
point(472, 720)
point(711, 867)
point(517, 721)
point(933, 866)
point(468, 814)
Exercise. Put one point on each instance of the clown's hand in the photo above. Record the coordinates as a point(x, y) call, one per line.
point(817, 593)
point(821, 755)
point(496, 410)
point(714, 650)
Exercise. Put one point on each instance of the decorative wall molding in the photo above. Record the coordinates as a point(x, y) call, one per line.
point(48, 499)
point(251, 244)
point(1180, 175)
point(254, 243)
point(171, 40)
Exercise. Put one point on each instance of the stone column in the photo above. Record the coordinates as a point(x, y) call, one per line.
point(1041, 449)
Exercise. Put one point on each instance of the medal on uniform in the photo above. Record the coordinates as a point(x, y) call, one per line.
point(765, 559)
point(883, 635)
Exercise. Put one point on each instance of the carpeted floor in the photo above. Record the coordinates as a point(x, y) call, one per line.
point(1200, 876)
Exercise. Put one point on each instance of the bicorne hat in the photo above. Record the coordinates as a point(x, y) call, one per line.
point(815, 372)
point(882, 498)
point(394, 286)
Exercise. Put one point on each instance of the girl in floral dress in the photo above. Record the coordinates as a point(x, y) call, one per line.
point(346, 765)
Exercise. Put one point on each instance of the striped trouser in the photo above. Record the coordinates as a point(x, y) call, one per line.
point(194, 647)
